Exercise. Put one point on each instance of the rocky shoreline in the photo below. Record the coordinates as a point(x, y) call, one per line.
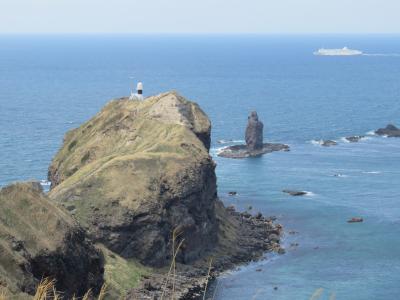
point(257, 236)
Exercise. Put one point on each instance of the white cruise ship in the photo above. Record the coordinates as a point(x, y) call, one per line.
point(338, 52)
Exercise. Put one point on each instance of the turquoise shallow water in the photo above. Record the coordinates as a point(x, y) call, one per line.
point(49, 84)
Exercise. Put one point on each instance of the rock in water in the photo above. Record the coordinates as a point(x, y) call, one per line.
point(254, 132)
point(138, 170)
point(295, 193)
point(328, 143)
point(390, 131)
point(355, 220)
point(254, 142)
point(39, 240)
point(355, 138)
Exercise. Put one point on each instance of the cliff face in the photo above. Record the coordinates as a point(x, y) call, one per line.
point(40, 240)
point(138, 170)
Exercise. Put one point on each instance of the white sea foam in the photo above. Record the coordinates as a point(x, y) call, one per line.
point(340, 175)
point(217, 150)
point(45, 182)
point(229, 141)
point(344, 139)
point(372, 172)
point(371, 132)
point(310, 194)
point(317, 142)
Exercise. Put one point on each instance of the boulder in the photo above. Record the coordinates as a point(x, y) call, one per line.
point(138, 170)
point(389, 131)
point(39, 240)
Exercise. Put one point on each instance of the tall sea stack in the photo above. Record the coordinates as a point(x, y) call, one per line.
point(254, 132)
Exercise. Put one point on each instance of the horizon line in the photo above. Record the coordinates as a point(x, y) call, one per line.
point(202, 33)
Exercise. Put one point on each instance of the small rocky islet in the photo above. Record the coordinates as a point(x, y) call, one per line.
point(390, 131)
point(254, 146)
point(121, 184)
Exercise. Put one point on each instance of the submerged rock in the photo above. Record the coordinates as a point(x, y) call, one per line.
point(138, 170)
point(295, 193)
point(355, 138)
point(389, 131)
point(328, 143)
point(39, 240)
point(355, 220)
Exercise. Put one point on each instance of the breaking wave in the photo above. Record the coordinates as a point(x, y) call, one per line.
point(372, 172)
point(316, 142)
point(229, 141)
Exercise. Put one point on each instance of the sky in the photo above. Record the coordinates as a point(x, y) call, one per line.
point(200, 16)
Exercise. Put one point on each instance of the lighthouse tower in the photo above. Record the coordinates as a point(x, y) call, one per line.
point(139, 91)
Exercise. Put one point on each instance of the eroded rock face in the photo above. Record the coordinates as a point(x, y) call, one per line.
point(40, 240)
point(138, 170)
point(254, 132)
point(390, 131)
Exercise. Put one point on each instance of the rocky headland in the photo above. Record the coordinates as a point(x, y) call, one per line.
point(139, 170)
point(254, 142)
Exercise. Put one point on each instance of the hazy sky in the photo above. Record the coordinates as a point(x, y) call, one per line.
point(200, 16)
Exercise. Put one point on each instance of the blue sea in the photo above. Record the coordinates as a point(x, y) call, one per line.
point(50, 84)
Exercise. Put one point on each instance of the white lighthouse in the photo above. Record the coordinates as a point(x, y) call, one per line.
point(139, 92)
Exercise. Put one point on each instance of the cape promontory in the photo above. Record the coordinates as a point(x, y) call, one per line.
point(138, 170)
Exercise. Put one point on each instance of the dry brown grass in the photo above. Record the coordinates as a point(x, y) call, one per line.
point(46, 290)
point(172, 269)
point(207, 278)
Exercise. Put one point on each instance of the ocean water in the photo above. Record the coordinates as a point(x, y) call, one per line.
point(50, 84)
